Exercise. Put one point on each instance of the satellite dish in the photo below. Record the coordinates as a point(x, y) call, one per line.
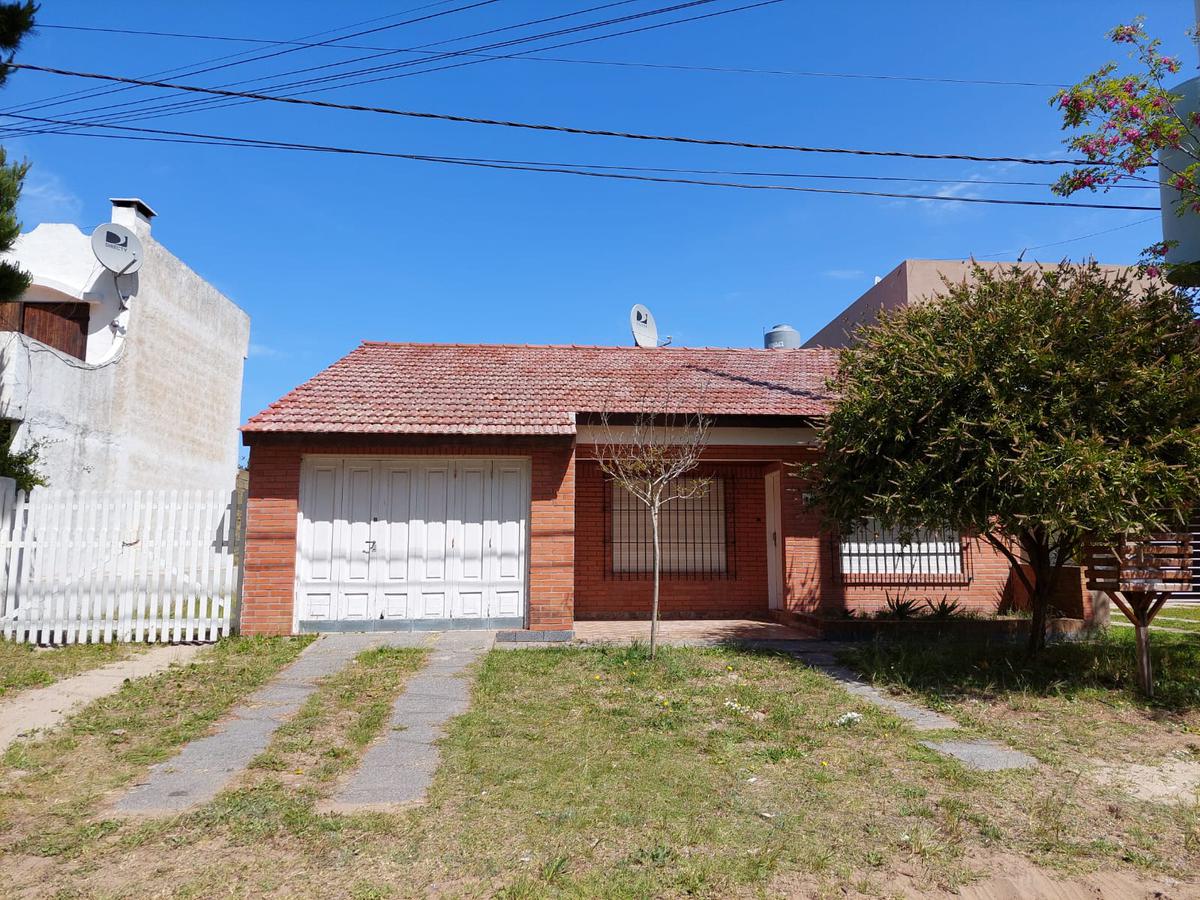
point(641, 321)
point(117, 248)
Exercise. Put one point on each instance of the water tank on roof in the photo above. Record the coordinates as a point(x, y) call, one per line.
point(782, 337)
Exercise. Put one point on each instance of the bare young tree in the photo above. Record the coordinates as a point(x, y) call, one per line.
point(648, 459)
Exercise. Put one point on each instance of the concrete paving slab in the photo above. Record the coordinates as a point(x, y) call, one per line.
point(822, 659)
point(987, 756)
point(398, 768)
point(203, 767)
point(42, 709)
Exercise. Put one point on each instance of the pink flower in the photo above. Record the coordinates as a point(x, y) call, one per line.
point(1153, 271)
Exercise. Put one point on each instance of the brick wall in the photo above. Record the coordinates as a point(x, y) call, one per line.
point(1070, 597)
point(810, 570)
point(599, 595)
point(567, 577)
point(270, 567)
point(809, 567)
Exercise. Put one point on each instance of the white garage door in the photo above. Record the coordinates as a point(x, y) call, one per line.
point(411, 543)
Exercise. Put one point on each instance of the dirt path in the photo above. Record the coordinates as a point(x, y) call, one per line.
point(1014, 878)
point(41, 709)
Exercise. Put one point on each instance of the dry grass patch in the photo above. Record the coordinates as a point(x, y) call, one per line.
point(1076, 708)
point(723, 773)
point(262, 835)
point(27, 665)
point(596, 773)
point(52, 802)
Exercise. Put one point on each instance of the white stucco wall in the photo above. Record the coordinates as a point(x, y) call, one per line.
point(157, 402)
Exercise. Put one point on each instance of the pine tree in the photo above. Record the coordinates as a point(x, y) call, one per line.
point(16, 21)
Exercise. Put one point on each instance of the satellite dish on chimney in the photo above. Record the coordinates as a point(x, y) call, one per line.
point(117, 248)
point(641, 322)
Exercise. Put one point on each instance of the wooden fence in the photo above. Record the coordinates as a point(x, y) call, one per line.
point(1190, 595)
point(104, 566)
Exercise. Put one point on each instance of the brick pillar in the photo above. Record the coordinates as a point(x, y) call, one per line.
point(552, 540)
point(269, 579)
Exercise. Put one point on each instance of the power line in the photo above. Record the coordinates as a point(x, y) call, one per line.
point(1071, 240)
point(937, 79)
point(559, 129)
point(657, 169)
point(203, 103)
point(574, 43)
point(147, 134)
point(376, 30)
point(193, 105)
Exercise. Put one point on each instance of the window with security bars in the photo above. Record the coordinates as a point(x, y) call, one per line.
point(872, 553)
point(693, 531)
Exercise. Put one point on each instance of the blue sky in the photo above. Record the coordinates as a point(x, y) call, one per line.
point(325, 251)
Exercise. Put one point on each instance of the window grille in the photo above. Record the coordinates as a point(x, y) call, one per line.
point(695, 532)
point(874, 555)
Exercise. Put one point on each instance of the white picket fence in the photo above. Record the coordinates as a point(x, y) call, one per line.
point(105, 566)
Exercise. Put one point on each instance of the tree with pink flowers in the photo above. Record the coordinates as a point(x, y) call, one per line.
point(1123, 122)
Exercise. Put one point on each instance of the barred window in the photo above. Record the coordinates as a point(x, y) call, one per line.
point(872, 552)
point(692, 531)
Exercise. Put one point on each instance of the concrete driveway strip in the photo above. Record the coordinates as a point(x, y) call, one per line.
point(44, 708)
point(206, 765)
point(398, 768)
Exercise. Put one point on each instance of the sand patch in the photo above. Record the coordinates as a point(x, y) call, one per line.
point(1175, 781)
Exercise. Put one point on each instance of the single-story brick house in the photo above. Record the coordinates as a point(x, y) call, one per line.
point(419, 485)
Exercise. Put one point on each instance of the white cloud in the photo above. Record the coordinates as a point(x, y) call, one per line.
point(845, 274)
point(262, 351)
point(45, 197)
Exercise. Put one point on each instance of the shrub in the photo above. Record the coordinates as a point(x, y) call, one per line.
point(900, 608)
point(23, 467)
point(943, 609)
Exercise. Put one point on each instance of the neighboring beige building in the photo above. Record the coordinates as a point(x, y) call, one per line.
point(912, 281)
point(123, 381)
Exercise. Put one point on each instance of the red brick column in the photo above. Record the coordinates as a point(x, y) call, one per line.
point(552, 540)
point(269, 578)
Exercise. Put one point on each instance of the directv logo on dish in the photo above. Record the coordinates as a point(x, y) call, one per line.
point(117, 248)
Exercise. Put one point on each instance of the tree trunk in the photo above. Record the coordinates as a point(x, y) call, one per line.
point(1145, 673)
point(1039, 606)
point(654, 602)
point(1039, 598)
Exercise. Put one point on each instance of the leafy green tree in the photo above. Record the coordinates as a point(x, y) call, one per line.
point(1032, 407)
point(16, 21)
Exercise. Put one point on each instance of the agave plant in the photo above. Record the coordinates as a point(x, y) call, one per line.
point(901, 608)
point(943, 609)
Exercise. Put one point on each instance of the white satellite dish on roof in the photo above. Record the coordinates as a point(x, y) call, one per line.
point(117, 248)
point(641, 322)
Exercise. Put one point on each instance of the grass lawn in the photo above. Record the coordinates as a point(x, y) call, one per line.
point(584, 773)
point(25, 665)
point(1181, 618)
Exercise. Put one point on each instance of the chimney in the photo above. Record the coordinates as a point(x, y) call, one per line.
point(133, 213)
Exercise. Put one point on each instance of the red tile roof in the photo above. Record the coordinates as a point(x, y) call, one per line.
point(522, 389)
